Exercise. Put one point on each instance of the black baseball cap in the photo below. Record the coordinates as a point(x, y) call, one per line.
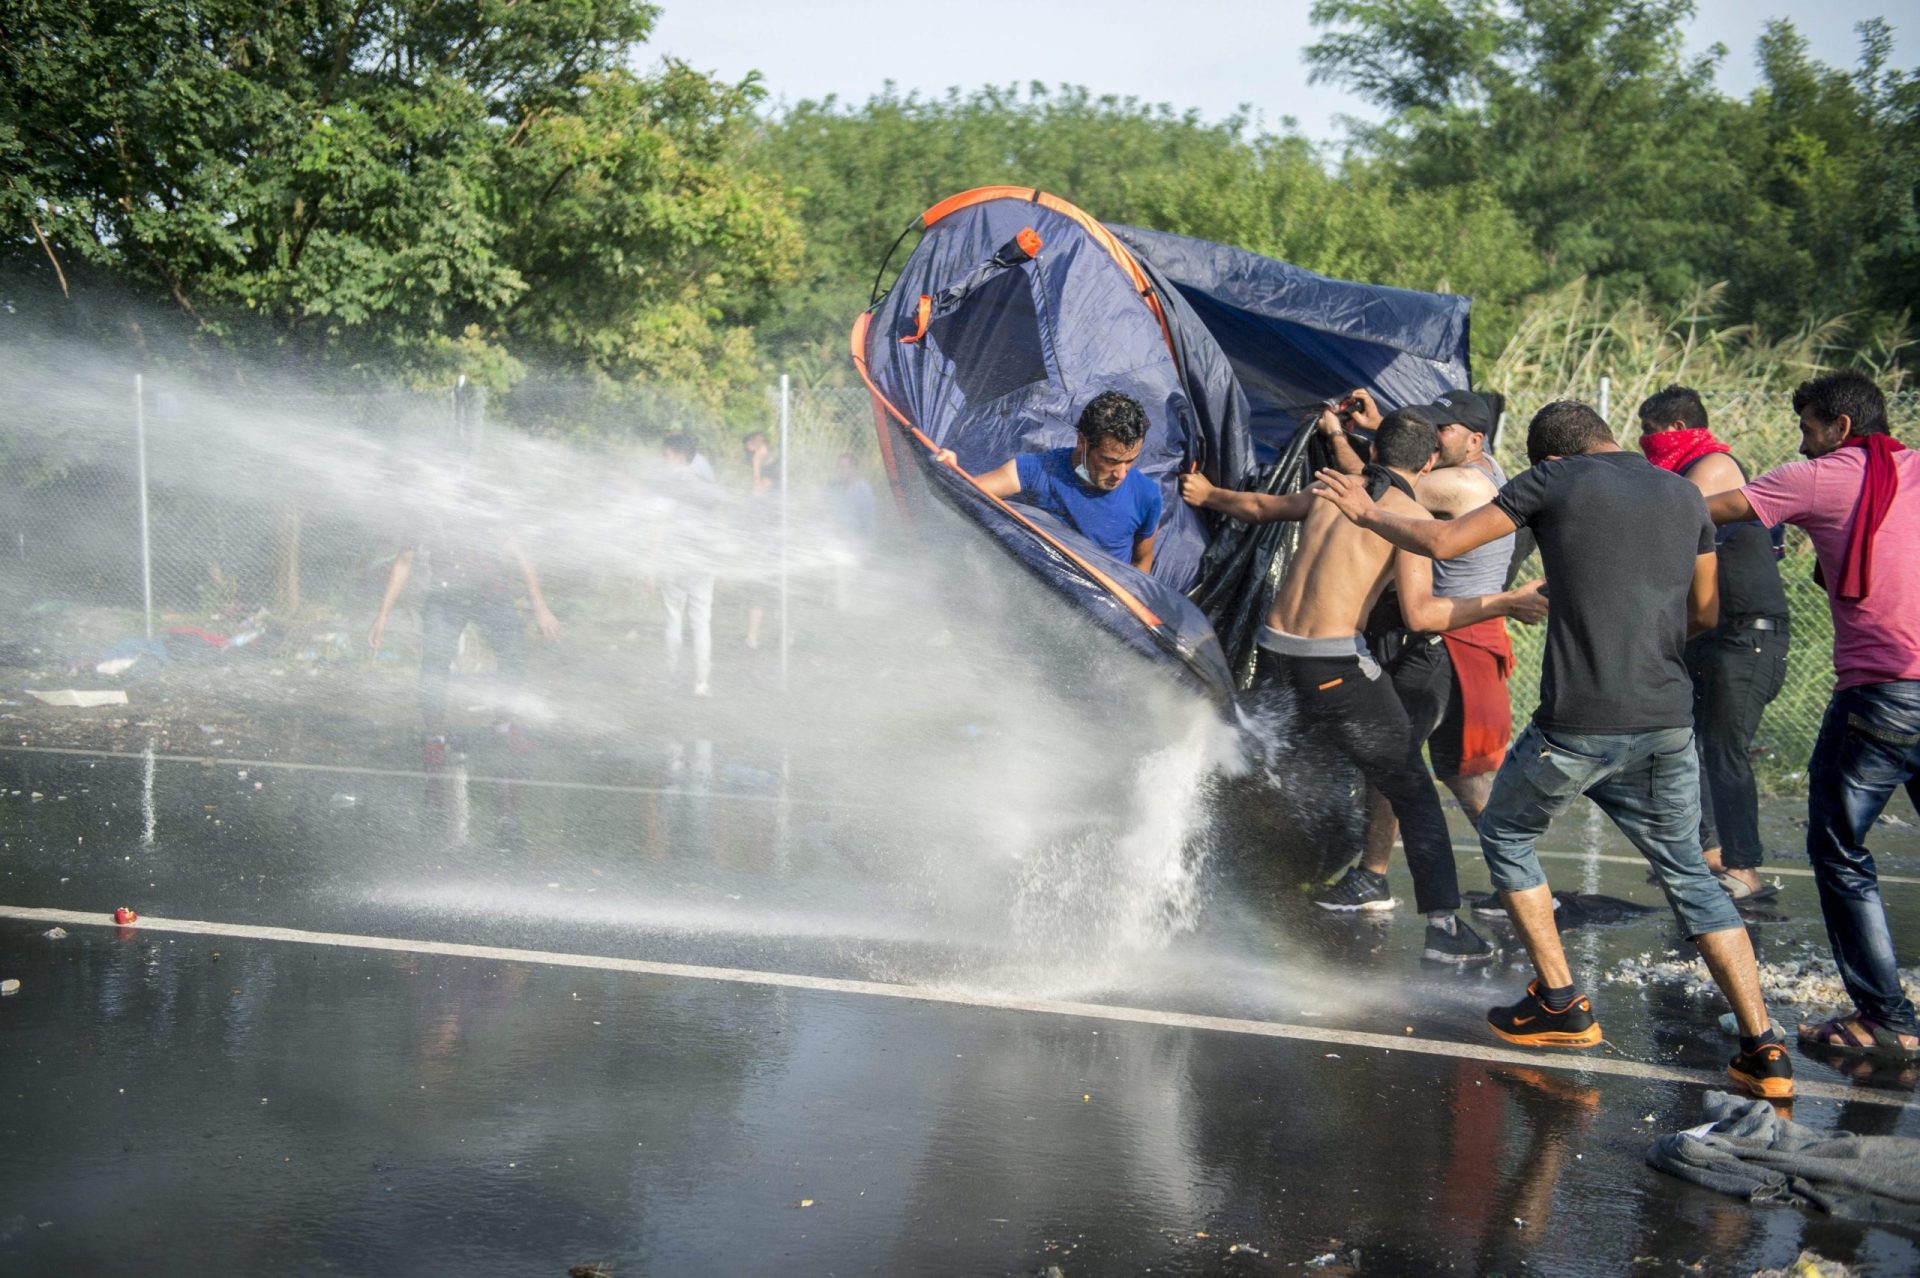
point(1464, 407)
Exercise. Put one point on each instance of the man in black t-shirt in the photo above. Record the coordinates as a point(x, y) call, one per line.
point(1630, 565)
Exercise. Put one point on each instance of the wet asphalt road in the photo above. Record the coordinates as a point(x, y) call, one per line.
point(195, 1103)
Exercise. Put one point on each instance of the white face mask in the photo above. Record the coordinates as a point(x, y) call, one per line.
point(1085, 478)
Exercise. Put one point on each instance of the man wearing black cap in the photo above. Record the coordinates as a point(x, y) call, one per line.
point(1453, 685)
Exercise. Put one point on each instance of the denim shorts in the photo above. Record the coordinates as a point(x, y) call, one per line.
point(1648, 784)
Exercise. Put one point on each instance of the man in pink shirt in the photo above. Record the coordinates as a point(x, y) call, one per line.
point(1858, 497)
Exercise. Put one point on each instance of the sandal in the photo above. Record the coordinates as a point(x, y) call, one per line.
point(1740, 892)
point(1837, 1035)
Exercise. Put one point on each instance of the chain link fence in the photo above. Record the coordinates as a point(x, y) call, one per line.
point(139, 494)
point(132, 501)
point(1763, 431)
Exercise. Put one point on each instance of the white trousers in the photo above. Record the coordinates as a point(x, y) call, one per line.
point(690, 598)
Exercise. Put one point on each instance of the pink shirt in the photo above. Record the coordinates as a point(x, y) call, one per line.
point(1876, 639)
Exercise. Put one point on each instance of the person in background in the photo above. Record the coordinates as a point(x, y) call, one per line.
point(1312, 651)
point(1091, 485)
point(1857, 495)
point(1629, 554)
point(686, 589)
point(1739, 666)
point(760, 482)
point(472, 558)
point(854, 517)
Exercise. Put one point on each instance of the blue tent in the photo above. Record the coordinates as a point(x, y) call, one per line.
point(1016, 308)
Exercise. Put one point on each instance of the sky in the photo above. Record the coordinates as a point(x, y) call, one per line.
point(1209, 55)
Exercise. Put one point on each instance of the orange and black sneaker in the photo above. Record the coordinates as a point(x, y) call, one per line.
point(1764, 1072)
point(1531, 1023)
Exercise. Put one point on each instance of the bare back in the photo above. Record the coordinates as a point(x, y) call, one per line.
point(1338, 574)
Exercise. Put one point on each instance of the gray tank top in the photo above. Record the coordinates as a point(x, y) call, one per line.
point(1482, 571)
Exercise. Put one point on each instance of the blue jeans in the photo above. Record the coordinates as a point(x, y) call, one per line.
point(1648, 783)
point(1869, 743)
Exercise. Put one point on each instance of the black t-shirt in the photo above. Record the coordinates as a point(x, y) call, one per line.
point(1749, 570)
point(1618, 539)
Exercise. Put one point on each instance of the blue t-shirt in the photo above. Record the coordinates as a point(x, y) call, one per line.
point(1113, 521)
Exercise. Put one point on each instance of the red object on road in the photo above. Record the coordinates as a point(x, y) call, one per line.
point(124, 915)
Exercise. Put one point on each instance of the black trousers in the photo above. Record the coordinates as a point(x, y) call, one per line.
point(442, 617)
point(1340, 710)
point(1737, 671)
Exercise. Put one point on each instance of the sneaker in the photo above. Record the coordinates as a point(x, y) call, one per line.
point(1764, 1072)
point(1458, 948)
point(1357, 889)
point(1530, 1024)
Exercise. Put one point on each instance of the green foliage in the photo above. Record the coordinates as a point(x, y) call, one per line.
point(1628, 164)
point(860, 174)
point(401, 189)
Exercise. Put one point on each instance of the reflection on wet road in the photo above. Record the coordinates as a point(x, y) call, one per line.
point(180, 1102)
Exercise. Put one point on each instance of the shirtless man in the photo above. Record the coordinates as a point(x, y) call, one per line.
point(1311, 647)
point(1453, 685)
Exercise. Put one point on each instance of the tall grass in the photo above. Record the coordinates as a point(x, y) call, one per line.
point(1568, 340)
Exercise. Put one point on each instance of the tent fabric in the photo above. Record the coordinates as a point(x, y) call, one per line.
point(1296, 339)
point(1012, 353)
point(990, 344)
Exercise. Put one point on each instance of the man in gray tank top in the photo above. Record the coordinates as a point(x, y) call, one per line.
point(1454, 686)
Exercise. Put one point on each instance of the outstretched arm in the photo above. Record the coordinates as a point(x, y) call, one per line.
point(1434, 538)
point(1002, 481)
point(1730, 507)
point(1431, 614)
point(1252, 508)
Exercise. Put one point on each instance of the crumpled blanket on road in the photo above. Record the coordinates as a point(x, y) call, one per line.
point(1748, 1150)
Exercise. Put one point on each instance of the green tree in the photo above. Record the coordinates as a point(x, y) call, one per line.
point(1626, 161)
point(395, 188)
point(859, 174)
point(1584, 115)
point(1835, 223)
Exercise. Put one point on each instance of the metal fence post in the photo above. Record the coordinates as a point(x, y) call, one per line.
point(1606, 394)
point(786, 416)
point(146, 535)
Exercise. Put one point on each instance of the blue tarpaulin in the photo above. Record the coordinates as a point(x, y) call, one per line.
point(1296, 339)
point(1016, 309)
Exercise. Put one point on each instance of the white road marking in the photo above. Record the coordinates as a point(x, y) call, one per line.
point(347, 769)
point(1567, 1061)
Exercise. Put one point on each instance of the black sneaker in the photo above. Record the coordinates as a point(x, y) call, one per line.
point(1764, 1072)
point(1458, 948)
point(1530, 1024)
point(1357, 889)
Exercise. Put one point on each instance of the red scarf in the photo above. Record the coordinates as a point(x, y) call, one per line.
point(1675, 450)
point(1877, 489)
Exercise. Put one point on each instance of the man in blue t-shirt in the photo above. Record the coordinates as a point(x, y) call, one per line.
point(1091, 485)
